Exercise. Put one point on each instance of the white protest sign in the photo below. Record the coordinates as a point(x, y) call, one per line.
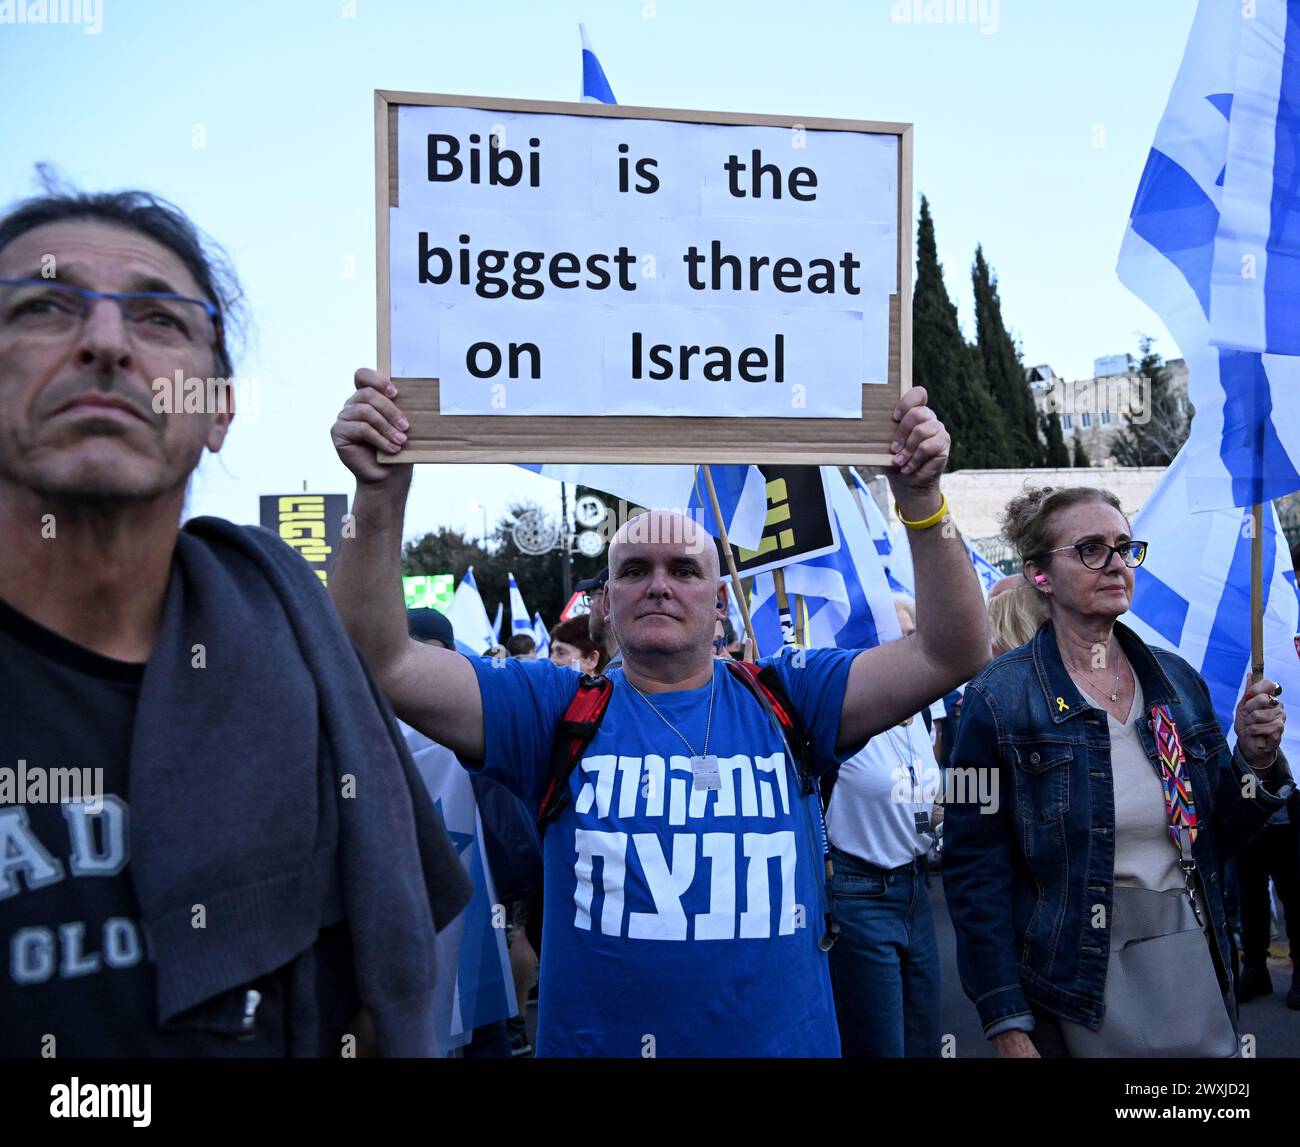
point(578, 265)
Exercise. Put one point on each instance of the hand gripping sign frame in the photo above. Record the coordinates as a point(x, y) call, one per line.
point(438, 437)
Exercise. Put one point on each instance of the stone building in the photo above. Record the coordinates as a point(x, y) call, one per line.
point(1097, 409)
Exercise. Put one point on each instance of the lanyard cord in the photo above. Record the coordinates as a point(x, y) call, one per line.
point(708, 725)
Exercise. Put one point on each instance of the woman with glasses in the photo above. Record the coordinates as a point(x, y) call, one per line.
point(1085, 892)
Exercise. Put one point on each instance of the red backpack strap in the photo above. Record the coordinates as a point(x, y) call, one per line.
point(764, 682)
point(576, 728)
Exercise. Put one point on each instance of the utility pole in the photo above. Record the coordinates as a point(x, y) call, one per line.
point(566, 546)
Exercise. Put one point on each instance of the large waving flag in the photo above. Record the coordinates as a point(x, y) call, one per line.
point(520, 622)
point(469, 619)
point(475, 985)
point(1219, 184)
point(742, 493)
point(541, 638)
point(1192, 594)
point(1255, 293)
point(847, 596)
point(595, 88)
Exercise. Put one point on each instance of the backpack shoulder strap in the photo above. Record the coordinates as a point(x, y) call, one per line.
point(576, 728)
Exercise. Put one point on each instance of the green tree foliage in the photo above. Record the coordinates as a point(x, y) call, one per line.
point(949, 368)
point(1003, 369)
point(1055, 455)
point(1080, 454)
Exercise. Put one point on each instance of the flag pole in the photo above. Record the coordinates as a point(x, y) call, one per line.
point(801, 621)
point(783, 608)
point(1257, 593)
point(736, 588)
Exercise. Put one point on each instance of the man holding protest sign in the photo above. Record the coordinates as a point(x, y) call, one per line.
point(686, 910)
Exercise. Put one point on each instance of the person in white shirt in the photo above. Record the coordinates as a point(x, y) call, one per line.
point(885, 964)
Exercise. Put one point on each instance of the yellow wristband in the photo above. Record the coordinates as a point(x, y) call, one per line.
point(925, 523)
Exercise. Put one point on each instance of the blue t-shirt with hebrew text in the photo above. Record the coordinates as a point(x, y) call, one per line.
point(678, 922)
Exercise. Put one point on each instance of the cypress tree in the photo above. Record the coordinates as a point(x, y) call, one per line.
point(1003, 369)
point(944, 363)
point(1055, 456)
point(1080, 454)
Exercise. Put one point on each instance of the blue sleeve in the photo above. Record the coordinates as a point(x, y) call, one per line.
point(979, 861)
point(523, 702)
point(815, 680)
point(1023, 1023)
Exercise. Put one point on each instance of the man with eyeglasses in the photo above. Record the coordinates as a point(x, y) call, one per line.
point(191, 897)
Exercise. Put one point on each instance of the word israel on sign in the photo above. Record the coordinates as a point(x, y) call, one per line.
point(550, 264)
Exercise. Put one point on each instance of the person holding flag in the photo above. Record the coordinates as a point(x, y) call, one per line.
point(686, 910)
point(1095, 874)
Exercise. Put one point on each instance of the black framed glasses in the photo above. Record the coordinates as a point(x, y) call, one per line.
point(1096, 555)
point(43, 309)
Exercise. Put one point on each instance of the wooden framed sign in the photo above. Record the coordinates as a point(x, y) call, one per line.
point(566, 282)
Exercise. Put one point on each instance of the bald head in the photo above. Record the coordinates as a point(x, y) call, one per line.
point(673, 531)
point(1004, 584)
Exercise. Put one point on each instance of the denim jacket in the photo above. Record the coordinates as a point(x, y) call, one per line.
point(1023, 875)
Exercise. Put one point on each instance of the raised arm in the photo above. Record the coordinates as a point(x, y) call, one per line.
point(896, 680)
point(435, 690)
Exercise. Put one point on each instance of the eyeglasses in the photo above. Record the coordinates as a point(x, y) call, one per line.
point(40, 309)
point(1096, 555)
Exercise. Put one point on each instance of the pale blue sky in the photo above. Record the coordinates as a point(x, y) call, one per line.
point(1031, 133)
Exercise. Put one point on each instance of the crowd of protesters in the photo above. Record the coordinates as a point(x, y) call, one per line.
point(698, 854)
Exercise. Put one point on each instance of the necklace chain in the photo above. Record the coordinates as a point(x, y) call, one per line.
point(708, 725)
point(1114, 691)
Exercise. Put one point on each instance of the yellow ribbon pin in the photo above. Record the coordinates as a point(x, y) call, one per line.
point(1060, 704)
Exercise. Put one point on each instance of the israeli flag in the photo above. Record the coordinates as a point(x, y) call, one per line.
point(989, 574)
point(847, 596)
point(1214, 183)
point(469, 619)
point(595, 88)
point(474, 984)
point(519, 620)
point(496, 624)
point(1255, 286)
point(541, 638)
point(742, 493)
point(879, 530)
point(1192, 594)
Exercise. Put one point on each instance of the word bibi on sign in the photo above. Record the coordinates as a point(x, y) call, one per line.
point(540, 263)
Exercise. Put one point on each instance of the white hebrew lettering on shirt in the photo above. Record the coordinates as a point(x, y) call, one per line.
point(611, 847)
point(760, 847)
point(667, 886)
point(775, 764)
point(719, 922)
point(603, 767)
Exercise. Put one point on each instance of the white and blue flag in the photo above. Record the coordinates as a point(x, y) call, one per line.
point(520, 622)
point(846, 593)
point(988, 573)
point(474, 984)
point(469, 619)
point(541, 637)
point(1255, 291)
point(496, 624)
point(879, 530)
point(595, 88)
point(1192, 594)
point(1220, 184)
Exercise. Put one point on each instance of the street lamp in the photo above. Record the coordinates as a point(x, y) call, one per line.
point(473, 507)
